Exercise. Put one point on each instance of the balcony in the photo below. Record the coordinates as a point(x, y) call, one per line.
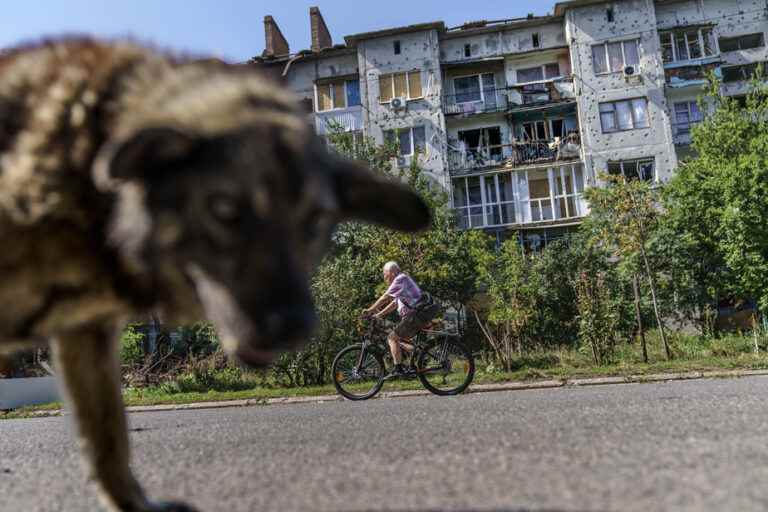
point(541, 95)
point(535, 197)
point(515, 155)
point(476, 101)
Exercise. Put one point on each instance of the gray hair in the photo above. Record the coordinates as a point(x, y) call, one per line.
point(391, 266)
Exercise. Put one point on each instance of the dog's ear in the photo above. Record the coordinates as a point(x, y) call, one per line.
point(145, 154)
point(364, 196)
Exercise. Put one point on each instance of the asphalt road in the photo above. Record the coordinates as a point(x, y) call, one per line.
point(696, 445)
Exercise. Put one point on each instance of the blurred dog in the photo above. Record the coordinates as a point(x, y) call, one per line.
point(132, 181)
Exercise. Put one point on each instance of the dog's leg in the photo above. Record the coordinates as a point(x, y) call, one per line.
point(89, 365)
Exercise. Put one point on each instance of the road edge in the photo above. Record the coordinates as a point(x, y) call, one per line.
point(476, 388)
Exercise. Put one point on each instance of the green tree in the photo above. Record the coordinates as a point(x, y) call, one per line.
point(623, 218)
point(511, 286)
point(718, 201)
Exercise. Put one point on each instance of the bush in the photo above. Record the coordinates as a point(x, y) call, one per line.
point(132, 346)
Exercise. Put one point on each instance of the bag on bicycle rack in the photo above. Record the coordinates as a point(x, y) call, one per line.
point(426, 308)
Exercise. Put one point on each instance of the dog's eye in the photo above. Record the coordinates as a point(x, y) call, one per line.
point(224, 208)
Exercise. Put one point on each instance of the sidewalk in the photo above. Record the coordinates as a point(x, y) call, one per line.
point(477, 388)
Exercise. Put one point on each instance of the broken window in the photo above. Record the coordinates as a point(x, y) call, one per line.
point(396, 47)
point(408, 139)
point(536, 39)
point(609, 15)
point(400, 85)
point(613, 57)
point(538, 73)
point(642, 169)
point(467, 50)
point(745, 42)
point(682, 45)
point(624, 115)
point(686, 114)
point(741, 73)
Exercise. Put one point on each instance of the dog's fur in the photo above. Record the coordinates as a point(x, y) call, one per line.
point(131, 181)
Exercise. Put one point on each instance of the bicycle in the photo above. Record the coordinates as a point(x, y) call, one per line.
point(440, 361)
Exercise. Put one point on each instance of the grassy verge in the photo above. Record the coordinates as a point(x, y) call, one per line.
point(691, 354)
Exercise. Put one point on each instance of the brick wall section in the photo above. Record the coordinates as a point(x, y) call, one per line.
point(321, 38)
point(275, 43)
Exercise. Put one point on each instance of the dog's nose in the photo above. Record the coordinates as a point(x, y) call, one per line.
point(287, 328)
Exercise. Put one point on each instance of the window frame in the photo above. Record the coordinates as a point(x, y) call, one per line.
point(671, 36)
point(615, 110)
point(407, 85)
point(607, 55)
point(692, 120)
point(638, 162)
point(543, 68)
point(738, 39)
point(332, 88)
point(411, 138)
point(480, 83)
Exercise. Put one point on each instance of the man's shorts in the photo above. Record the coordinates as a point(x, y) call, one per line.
point(410, 325)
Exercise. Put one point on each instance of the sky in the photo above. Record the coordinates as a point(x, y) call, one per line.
point(234, 29)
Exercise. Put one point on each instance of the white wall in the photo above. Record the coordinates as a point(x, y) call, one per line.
point(486, 43)
point(634, 19)
point(419, 51)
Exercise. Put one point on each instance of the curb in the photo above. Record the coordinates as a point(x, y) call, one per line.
point(477, 388)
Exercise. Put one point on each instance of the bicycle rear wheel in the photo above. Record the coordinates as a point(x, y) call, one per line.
point(357, 382)
point(446, 367)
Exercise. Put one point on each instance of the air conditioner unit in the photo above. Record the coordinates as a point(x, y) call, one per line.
point(398, 103)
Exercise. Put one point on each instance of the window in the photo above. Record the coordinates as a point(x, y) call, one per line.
point(482, 201)
point(682, 45)
point(338, 94)
point(408, 139)
point(732, 44)
point(643, 169)
point(396, 47)
point(739, 73)
point(467, 50)
point(536, 39)
point(400, 85)
point(539, 73)
point(609, 15)
point(617, 116)
point(474, 88)
point(613, 57)
point(686, 114)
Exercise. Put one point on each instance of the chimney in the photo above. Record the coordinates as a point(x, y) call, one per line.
point(275, 43)
point(321, 38)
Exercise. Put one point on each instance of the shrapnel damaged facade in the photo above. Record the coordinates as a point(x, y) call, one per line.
point(516, 117)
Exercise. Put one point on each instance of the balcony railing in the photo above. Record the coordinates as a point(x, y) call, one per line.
point(513, 155)
point(475, 102)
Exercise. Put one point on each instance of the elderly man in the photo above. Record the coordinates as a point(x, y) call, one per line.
point(405, 295)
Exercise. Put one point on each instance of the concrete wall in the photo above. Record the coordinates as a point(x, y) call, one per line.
point(587, 26)
point(485, 43)
point(419, 51)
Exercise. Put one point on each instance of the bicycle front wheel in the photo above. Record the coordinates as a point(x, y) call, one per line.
point(357, 374)
point(446, 367)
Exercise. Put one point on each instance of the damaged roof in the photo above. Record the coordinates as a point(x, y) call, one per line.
point(419, 27)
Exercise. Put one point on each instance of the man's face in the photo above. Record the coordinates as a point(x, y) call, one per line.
point(389, 275)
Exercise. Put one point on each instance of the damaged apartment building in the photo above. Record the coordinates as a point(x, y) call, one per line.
point(516, 117)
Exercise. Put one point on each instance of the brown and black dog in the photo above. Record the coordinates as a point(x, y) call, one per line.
point(131, 181)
